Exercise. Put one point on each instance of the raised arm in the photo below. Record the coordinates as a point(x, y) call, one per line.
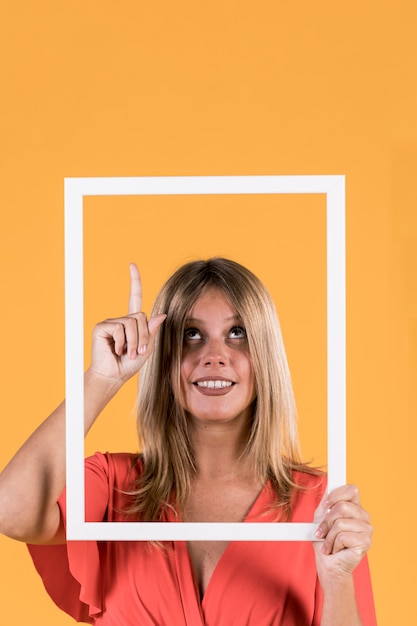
point(33, 480)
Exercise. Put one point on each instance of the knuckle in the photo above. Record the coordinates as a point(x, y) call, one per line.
point(130, 323)
point(342, 537)
point(339, 526)
point(366, 544)
point(353, 489)
point(341, 509)
point(98, 327)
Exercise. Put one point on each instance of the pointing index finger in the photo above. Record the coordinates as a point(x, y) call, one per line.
point(135, 295)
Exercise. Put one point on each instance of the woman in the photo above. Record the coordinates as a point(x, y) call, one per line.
point(217, 429)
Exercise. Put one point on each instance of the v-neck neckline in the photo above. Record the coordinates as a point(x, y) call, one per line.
point(185, 568)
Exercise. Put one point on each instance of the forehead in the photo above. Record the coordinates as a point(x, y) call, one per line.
point(212, 303)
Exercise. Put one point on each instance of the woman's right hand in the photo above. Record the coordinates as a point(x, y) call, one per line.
point(122, 345)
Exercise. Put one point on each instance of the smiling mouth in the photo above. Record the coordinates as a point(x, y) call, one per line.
point(214, 384)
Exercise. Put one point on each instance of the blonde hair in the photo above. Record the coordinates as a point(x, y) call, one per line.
point(272, 447)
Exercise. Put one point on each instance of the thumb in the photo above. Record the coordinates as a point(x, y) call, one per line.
point(321, 510)
point(155, 322)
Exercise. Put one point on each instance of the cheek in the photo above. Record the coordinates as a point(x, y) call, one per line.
point(251, 377)
point(184, 372)
point(187, 365)
point(182, 389)
point(177, 384)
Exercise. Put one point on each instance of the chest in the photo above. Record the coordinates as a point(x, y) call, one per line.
point(215, 503)
point(254, 583)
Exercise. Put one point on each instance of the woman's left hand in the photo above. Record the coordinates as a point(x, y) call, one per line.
point(345, 530)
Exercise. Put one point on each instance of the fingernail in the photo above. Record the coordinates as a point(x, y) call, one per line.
point(133, 354)
point(318, 532)
point(143, 348)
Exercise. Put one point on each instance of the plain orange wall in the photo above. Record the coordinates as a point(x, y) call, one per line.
point(225, 88)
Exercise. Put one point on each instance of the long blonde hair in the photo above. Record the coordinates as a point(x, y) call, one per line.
point(272, 448)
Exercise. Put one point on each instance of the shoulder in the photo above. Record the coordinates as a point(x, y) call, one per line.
point(109, 478)
point(309, 478)
point(115, 467)
point(310, 488)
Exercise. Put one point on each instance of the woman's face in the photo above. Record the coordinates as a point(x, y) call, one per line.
point(217, 379)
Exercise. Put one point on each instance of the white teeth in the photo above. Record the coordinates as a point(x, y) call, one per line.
point(215, 384)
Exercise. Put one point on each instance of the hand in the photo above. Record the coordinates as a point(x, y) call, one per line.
point(345, 529)
point(122, 345)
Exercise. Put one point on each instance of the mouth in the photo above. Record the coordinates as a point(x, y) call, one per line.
point(214, 384)
point(211, 386)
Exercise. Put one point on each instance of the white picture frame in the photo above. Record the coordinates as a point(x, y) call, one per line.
point(333, 187)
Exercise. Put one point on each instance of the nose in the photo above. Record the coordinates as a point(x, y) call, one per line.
point(214, 353)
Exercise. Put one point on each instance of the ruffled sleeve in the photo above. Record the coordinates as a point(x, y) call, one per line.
point(72, 572)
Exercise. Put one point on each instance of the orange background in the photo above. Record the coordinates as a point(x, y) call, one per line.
point(226, 88)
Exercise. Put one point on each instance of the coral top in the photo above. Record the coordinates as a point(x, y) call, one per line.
point(131, 583)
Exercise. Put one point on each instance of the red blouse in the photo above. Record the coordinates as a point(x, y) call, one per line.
point(131, 583)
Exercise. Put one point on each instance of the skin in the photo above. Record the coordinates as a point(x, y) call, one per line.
point(120, 348)
point(216, 348)
point(219, 426)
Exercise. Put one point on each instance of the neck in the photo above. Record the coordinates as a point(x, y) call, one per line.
point(218, 449)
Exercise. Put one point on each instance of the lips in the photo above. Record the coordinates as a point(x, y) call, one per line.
point(213, 386)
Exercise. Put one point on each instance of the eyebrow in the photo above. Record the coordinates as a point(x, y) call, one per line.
point(235, 318)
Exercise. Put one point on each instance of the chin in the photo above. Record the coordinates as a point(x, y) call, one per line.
point(217, 418)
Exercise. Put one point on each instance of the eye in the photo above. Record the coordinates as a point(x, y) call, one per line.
point(191, 334)
point(237, 332)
